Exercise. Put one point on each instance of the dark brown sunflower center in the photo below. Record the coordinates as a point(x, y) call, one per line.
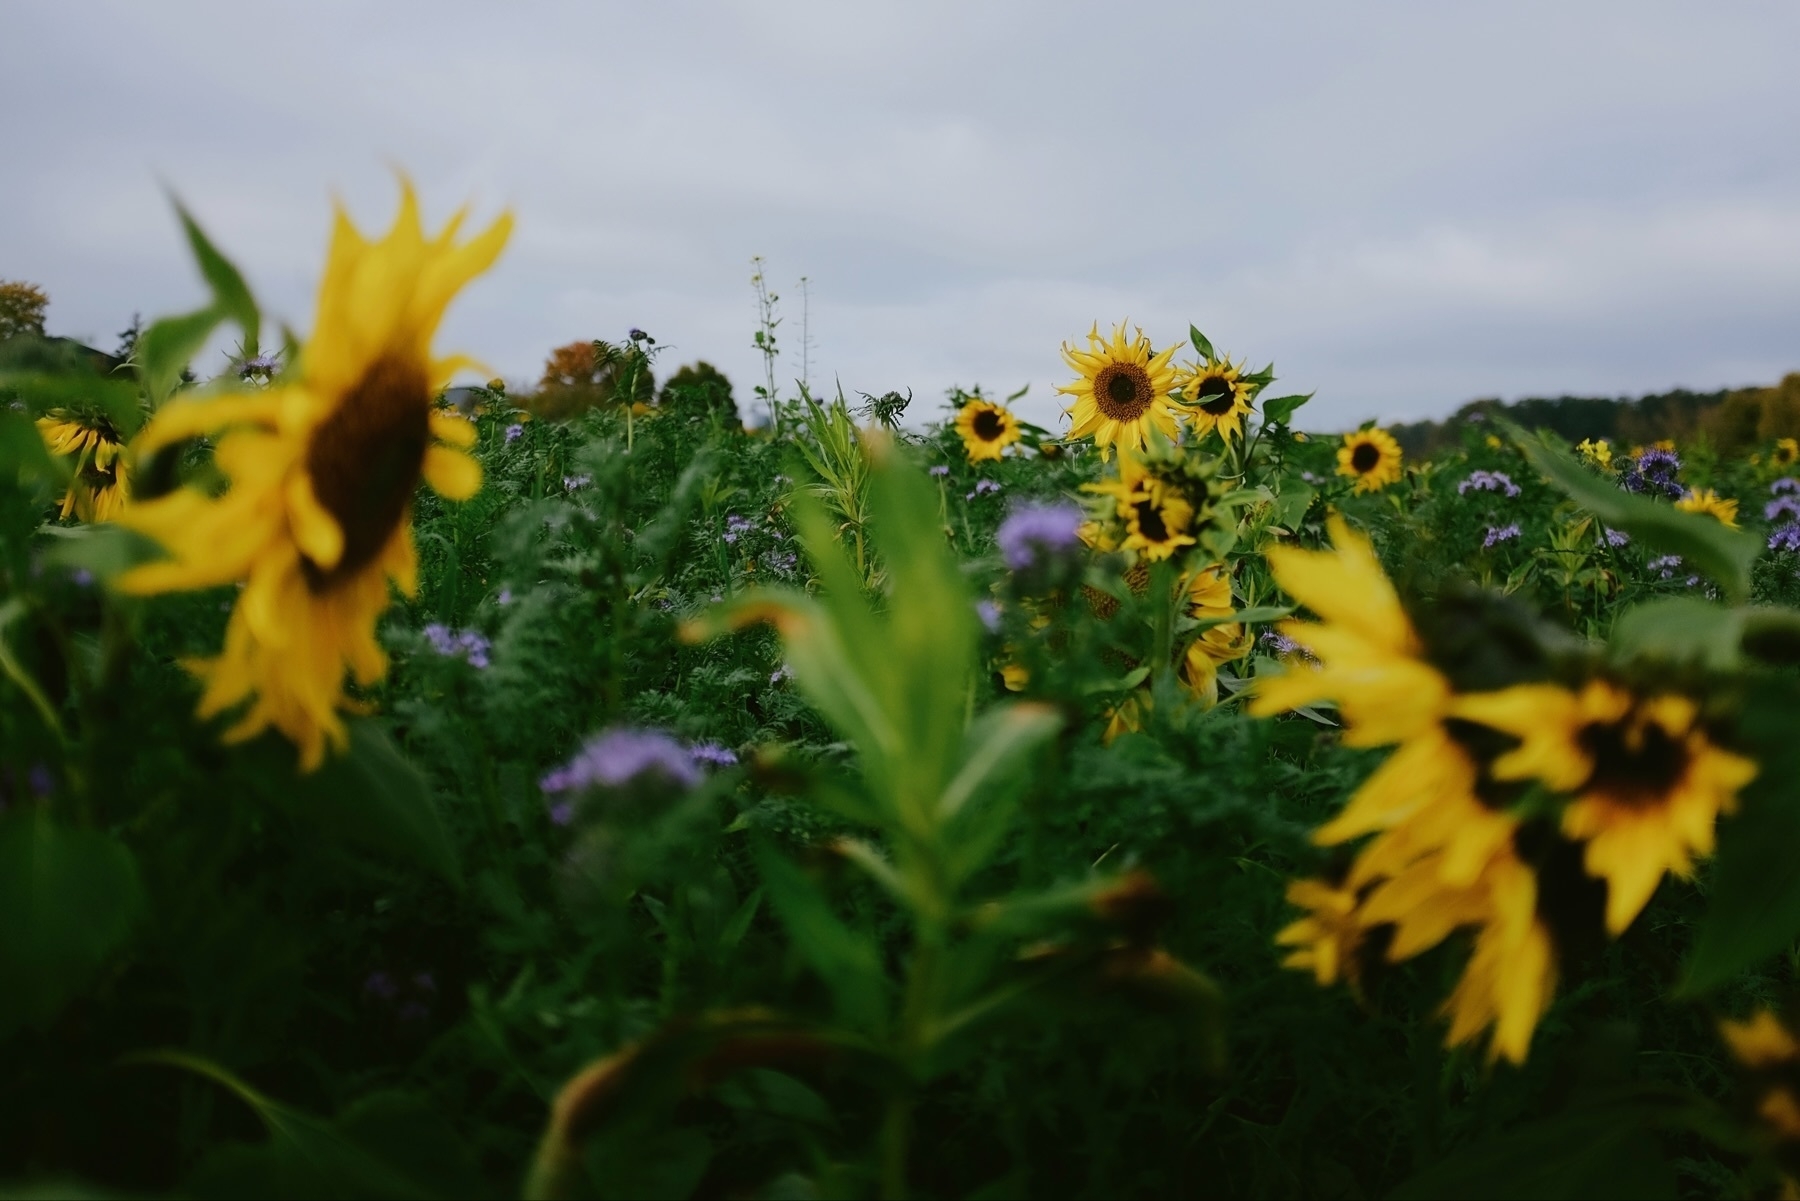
point(989, 425)
point(365, 460)
point(1365, 458)
point(1636, 763)
point(1783, 456)
point(1216, 396)
point(1123, 391)
point(1150, 522)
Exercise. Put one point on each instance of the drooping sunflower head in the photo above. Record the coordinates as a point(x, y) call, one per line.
point(986, 428)
point(1215, 396)
point(1371, 457)
point(323, 465)
point(1705, 500)
point(101, 485)
point(1122, 390)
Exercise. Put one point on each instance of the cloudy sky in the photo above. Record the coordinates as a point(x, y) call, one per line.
point(1405, 206)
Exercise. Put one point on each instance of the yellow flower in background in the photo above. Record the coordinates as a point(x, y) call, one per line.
point(1786, 452)
point(1595, 451)
point(1327, 940)
point(986, 428)
point(101, 487)
point(1705, 500)
point(1215, 398)
point(1209, 597)
point(1157, 521)
point(322, 466)
point(1371, 458)
point(1122, 391)
point(1769, 1053)
point(1647, 783)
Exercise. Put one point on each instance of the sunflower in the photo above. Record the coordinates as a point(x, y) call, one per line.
point(322, 467)
point(1123, 390)
point(1371, 457)
point(1157, 521)
point(1328, 939)
point(986, 428)
point(102, 483)
point(1705, 500)
point(1786, 452)
point(1647, 782)
point(1216, 397)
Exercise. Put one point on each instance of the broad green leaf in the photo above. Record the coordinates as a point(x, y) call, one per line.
point(231, 296)
point(69, 899)
point(1200, 343)
point(168, 346)
point(1279, 410)
point(1722, 553)
point(1600, 1151)
point(1680, 629)
point(1291, 506)
point(373, 797)
point(22, 450)
point(997, 746)
point(106, 550)
point(847, 962)
point(80, 389)
point(1753, 901)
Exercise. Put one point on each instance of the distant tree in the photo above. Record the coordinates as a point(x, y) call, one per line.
point(1780, 410)
point(22, 307)
point(701, 390)
point(585, 375)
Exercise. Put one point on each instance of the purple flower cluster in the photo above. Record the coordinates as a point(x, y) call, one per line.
point(1786, 484)
point(940, 470)
point(1498, 534)
point(1033, 535)
point(784, 672)
point(1488, 481)
point(1786, 537)
point(782, 562)
point(572, 482)
point(514, 431)
point(1665, 566)
point(624, 756)
point(982, 488)
point(989, 613)
point(1615, 537)
point(469, 645)
point(736, 527)
point(1783, 506)
point(1654, 472)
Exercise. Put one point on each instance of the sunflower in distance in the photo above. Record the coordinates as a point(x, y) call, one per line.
point(1122, 391)
point(1646, 781)
point(986, 428)
point(1371, 457)
point(322, 467)
point(1209, 599)
point(102, 485)
point(1785, 454)
point(1216, 396)
point(1710, 503)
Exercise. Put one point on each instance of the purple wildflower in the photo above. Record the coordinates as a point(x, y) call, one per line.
point(1499, 534)
point(468, 645)
point(82, 576)
point(514, 432)
point(562, 813)
point(989, 613)
point(1786, 537)
point(1786, 483)
point(782, 562)
point(940, 470)
point(1654, 472)
point(712, 753)
point(1488, 481)
point(620, 756)
point(982, 488)
point(1617, 537)
point(1281, 646)
point(736, 526)
point(1782, 506)
point(572, 482)
point(1034, 534)
point(784, 672)
point(505, 597)
point(1665, 565)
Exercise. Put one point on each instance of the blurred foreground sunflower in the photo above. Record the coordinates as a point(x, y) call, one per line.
point(1371, 457)
point(322, 468)
point(1648, 784)
point(986, 428)
point(1122, 391)
point(102, 485)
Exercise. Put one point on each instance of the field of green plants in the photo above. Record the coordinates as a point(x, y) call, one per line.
point(406, 794)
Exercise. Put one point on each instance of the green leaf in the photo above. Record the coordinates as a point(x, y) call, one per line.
point(372, 796)
point(106, 550)
point(22, 450)
point(1681, 629)
point(81, 389)
point(168, 346)
point(1279, 410)
point(1291, 506)
point(69, 899)
point(231, 296)
point(1753, 902)
point(1201, 344)
point(1721, 552)
point(1598, 1151)
point(847, 962)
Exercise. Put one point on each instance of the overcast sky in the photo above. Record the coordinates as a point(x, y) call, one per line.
point(1405, 206)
